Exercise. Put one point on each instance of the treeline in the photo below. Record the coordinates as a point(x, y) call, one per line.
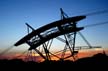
point(99, 60)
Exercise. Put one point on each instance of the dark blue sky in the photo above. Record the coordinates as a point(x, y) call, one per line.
point(14, 14)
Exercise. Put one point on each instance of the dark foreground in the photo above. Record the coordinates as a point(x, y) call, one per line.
point(98, 61)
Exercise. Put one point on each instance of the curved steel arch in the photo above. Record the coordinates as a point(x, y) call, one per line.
point(49, 26)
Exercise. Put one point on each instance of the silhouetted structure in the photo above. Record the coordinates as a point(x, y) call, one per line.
point(44, 36)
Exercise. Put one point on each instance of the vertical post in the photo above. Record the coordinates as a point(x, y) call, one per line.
point(46, 52)
point(74, 27)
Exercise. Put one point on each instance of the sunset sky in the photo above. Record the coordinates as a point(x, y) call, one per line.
point(15, 13)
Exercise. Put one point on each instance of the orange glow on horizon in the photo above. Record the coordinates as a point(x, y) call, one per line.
point(37, 58)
